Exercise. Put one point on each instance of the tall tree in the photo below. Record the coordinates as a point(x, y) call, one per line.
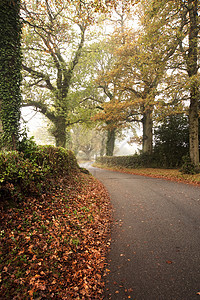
point(191, 57)
point(10, 71)
point(107, 84)
point(55, 37)
point(53, 41)
point(145, 59)
point(182, 17)
point(139, 67)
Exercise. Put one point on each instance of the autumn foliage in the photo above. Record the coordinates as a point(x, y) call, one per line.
point(53, 246)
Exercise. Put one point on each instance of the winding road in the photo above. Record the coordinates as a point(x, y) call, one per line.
point(155, 239)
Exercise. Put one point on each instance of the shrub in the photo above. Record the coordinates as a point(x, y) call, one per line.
point(55, 161)
point(171, 139)
point(18, 173)
point(27, 145)
point(33, 170)
point(132, 161)
point(188, 167)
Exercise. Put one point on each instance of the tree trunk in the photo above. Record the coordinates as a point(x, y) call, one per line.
point(59, 131)
point(147, 132)
point(1, 128)
point(10, 71)
point(194, 126)
point(192, 68)
point(1, 125)
point(102, 149)
point(110, 143)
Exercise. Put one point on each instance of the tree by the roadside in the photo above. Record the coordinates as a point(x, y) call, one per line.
point(182, 17)
point(105, 62)
point(144, 64)
point(10, 72)
point(107, 85)
point(191, 57)
point(140, 64)
point(54, 37)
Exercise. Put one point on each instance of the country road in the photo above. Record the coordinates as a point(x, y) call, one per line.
point(155, 246)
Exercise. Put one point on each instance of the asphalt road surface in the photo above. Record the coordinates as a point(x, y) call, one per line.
point(155, 246)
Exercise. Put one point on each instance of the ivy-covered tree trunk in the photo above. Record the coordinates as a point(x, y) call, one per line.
point(10, 71)
point(192, 68)
point(110, 143)
point(147, 132)
point(1, 125)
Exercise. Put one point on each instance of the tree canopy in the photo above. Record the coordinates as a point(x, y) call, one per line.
point(91, 62)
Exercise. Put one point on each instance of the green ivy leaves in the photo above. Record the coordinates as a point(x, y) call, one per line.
point(10, 72)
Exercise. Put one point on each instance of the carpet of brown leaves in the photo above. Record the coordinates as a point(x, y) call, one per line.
point(54, 246)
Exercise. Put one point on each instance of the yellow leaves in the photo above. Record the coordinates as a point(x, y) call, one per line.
point(5, 269)
point(193, 81)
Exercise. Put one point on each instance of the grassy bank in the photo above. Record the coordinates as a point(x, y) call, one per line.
point(54, 247)
point(54, 236)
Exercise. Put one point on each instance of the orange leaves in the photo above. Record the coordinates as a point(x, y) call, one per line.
point(56, 244)
point(117, 113)
point(33, 279)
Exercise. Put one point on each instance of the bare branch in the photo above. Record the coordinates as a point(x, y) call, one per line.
point(40, 75)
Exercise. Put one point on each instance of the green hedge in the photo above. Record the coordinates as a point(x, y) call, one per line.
point(132, 161)
point(55, 161)
point(146, 161)
point(15, 169)
point(31, 171)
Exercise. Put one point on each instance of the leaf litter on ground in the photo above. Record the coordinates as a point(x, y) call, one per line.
point(54, 246)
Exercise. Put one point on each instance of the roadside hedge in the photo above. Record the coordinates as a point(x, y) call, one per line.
point(131, 161)
point(55, 161)
point(146, 161)
point(22, 173)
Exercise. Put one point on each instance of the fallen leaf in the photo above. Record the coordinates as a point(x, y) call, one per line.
point(169, 262)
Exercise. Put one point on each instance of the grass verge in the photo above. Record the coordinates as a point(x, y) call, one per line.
point(168, 174)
